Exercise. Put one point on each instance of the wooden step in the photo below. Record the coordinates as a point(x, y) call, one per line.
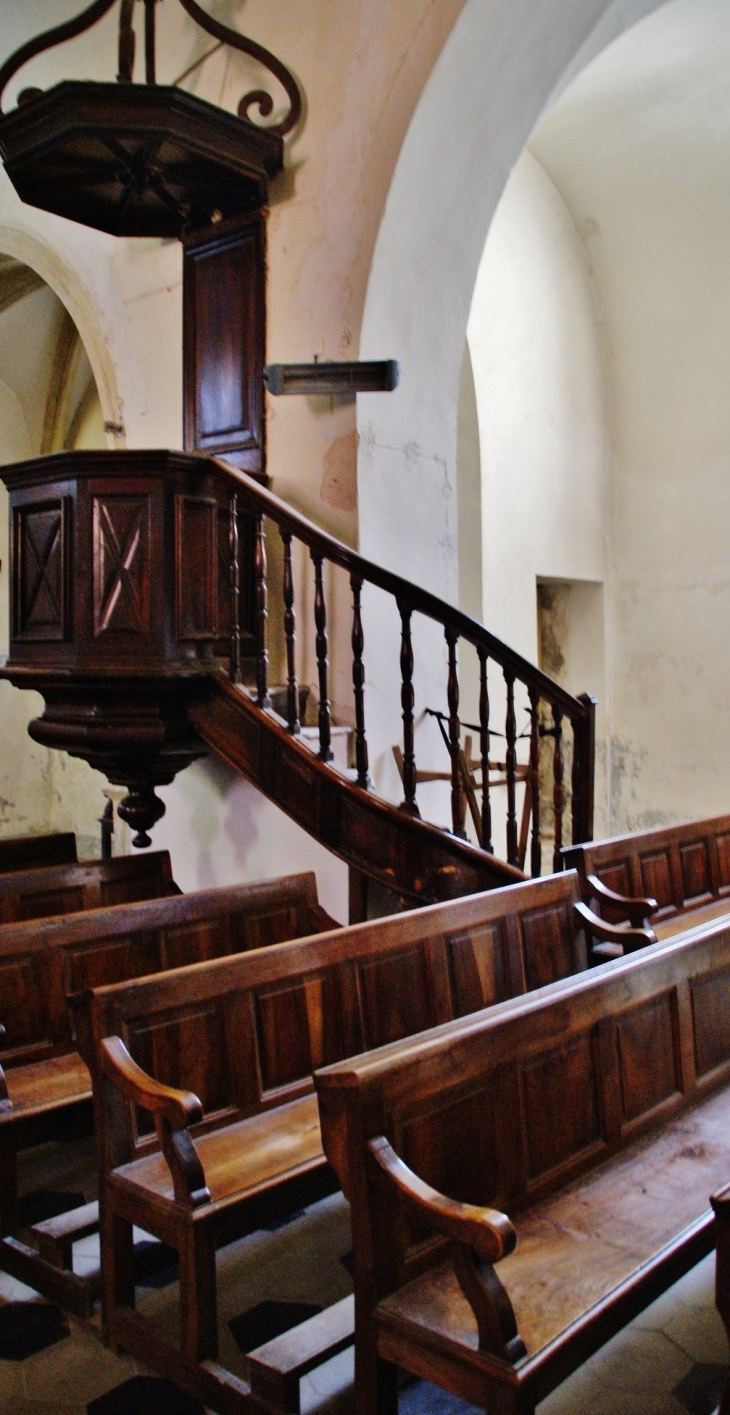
point(276, 1368)
point(56, 1236)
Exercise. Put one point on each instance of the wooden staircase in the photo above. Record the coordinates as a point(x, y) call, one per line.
point(141, 601)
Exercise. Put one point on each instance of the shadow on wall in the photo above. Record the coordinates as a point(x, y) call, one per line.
point(220, 830)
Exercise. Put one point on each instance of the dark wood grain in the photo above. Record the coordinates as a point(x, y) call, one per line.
point(581, 1115)
point(46, 1089)
point(30, 852)
point(673, 875)
point(244, 1034)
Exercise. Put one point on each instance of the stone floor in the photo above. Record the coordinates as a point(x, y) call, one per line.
point(671, 1360)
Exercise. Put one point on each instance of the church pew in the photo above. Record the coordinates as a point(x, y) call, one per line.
point(592, 1119)
point(670, 878)
point(30, 852)
point(45, 1089)
point(94, 884)
point(241, 1142)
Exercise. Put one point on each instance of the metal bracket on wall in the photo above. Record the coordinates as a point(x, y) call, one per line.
point(380, 376)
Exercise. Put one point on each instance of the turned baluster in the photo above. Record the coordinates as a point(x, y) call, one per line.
point(320, 620)
point(292, 687)
point(458, 803)
point(533, 784)
point(486, 840)
point(262, 614)
point(234, 580)
point(510, 732)
point(558, 794)
point(407, 698)
point(358, 683)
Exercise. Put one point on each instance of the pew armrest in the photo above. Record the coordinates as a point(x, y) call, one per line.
point(479, 1237)
point(636, 909)
point(620, 940)
point(487, 1231)
point(173, 1110)
point(179, 1108)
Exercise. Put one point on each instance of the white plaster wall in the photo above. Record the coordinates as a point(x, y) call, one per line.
point(638, 149)
point(494, 77)
point(538, 374)
point(537, 359)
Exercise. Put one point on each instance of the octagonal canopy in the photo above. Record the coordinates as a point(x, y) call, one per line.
point(136, 160)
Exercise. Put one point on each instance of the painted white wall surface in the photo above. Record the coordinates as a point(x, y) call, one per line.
point(538, 375)
point(220, 830)
point(638, 150)
point(494, 77)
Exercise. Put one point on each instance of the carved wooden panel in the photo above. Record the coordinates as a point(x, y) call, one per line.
point(711, 1015)
point(196, 567)
point(37, 905)
point(696, 873)
point(394, 996)
point(722, 843)
point(189, 1049)
point(648, 1055)
point(561, 1107)
point(121, 566)
point(224, 284)
point(656, 877)
point(23, 1007)
point(298, 782)
point(112, 960)
point(547, 944)
point(40, 570)
point(298, 1028)
point(453, 1144)
point(476, 966)
point(616, 877)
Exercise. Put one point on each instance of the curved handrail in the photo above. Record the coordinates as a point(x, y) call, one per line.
point(417, 599)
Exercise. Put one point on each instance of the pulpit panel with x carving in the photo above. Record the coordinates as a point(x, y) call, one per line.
point(121, 574)
point(40, 592)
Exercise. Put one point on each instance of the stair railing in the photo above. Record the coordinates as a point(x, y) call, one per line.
point(549, 705)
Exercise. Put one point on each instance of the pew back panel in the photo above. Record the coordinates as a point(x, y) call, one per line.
point(246, 1033)
point(685, 868)
point(32, 852)
point(66, 889)
point(42, 961)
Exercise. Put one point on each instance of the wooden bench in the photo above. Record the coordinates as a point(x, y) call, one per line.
point(242, 1141)
point(66, 889)
point(670, 878)
point(594, 1121)
point(46, 1090)
point(31, 852)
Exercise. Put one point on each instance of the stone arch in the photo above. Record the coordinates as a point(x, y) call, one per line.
point(497, 73)
point(67, 284)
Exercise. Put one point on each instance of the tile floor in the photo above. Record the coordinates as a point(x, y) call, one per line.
point(670, 1361)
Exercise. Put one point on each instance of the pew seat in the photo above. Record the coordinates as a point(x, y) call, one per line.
point(623, 1214)
point(238, 1161)
point(45, 1086)
point(524, 1182)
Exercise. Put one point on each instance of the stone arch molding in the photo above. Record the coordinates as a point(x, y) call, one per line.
point(503, 65)
point(98, 314)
